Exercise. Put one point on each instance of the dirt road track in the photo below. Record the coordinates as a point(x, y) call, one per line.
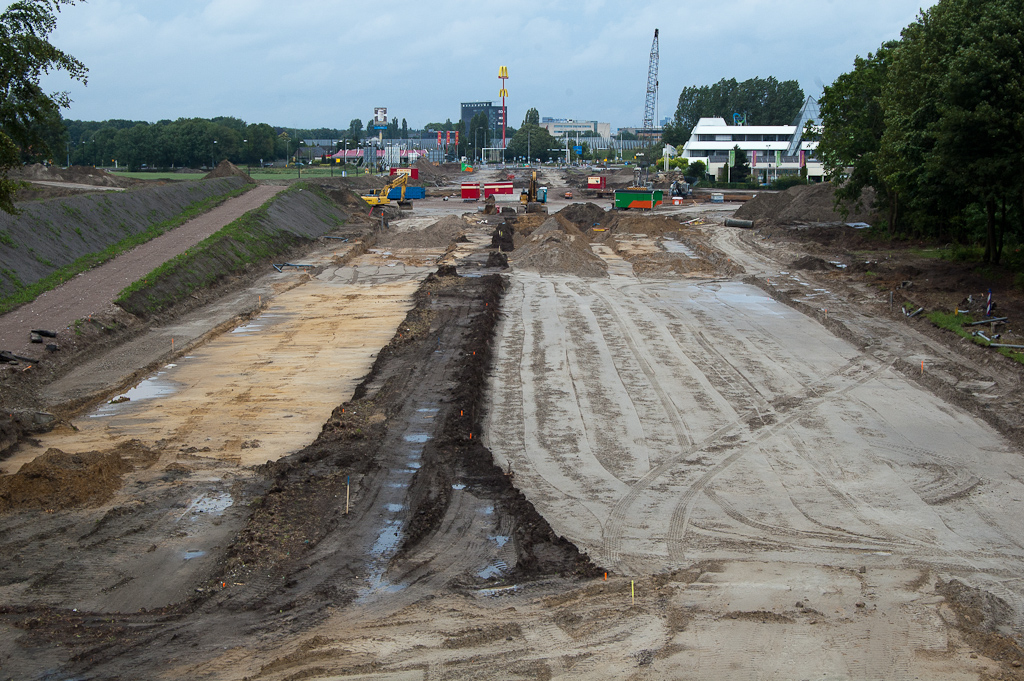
point(94, 291)
point(660, 424)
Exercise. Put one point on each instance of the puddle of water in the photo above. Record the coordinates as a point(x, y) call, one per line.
point(394, 508)
point(432, 410)
point(458, 485)
point(414, 464)
point(388, 538)
point(256, 325)
point(214, 503)
point(194, 553)
point(417, 437)
point(497, 568)
point(487, 510)
point(500, 539)
point(499, 590)
point(154, 386)
point(678, 247)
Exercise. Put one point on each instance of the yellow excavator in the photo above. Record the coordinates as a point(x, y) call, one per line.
point(380, 198)
point(533, 194)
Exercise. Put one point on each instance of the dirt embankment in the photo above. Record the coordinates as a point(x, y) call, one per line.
point(51, 234)
point(450, 312)
point(292, 219)
point(808, 203)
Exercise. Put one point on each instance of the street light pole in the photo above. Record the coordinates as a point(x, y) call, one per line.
point(213, 154)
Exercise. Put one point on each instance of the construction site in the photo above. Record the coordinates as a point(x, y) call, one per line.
point(311, 434)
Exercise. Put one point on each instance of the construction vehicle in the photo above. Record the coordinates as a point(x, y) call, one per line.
point(533, 197)
point(380, 197)
point(533, 193)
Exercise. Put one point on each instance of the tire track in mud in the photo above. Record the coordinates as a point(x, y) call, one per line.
point(620, 426)
point(860, 375)
point(611, 551)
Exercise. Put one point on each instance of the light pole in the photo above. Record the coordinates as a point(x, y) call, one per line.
point(213, 155)
point(248, 158)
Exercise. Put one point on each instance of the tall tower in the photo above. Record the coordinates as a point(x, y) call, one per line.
point(503, 93)
point(652, 86)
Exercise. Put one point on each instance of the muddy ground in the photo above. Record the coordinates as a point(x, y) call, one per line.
point(681, 467)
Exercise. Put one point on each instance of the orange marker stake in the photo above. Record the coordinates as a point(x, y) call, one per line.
point(606, 576)
point(922, 367)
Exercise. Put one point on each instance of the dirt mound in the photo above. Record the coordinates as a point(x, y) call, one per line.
point(60, 480)
point(76, 174)
point(583, 215)
point(344, 197)
point(228, 169)
point(809, 262)
point(625, 223)
point(431, 174)
point(550, 249)
point(804, 203)
point(439, 234)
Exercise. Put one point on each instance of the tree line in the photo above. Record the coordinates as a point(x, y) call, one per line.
point(757, 101)
point(934, 122)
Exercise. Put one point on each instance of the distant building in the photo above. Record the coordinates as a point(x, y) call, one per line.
point(495, 117)
point(643, 133)
point(772, 150)
point(562, 126)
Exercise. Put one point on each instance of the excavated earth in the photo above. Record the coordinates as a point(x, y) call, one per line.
point(642, 450)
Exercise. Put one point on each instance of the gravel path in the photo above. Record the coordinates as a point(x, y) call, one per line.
point(94, 291)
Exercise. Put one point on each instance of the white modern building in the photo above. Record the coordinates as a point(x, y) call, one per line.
point(562, 126)
point(772, 150)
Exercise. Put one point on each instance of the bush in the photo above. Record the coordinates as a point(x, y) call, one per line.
point(786, 181)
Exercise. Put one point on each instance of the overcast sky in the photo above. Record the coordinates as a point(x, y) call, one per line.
point(321, 63)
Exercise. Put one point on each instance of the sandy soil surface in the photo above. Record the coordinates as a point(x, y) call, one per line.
point(264, 390)
point(94, 291)
point(763, 490)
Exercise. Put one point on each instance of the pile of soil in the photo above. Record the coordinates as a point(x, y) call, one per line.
point(228, 169)
point(584, 215)
point(634, 223)
point(439, 234)
point(809, 262)
point(60, 480)
point(432, 175)
point(76, 174)
point(552, 249)
point(343, 196)
point(805, 203)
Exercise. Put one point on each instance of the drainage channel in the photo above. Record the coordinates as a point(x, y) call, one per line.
point(393, 509)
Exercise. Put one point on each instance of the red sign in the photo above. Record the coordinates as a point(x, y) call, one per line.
point(447, 137)
point(438, 138)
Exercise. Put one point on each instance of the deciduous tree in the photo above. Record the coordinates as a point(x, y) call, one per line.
point(26, 54)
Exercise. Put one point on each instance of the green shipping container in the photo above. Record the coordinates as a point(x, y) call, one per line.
point(637, 198)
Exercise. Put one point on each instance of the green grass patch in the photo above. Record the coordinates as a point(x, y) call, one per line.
point(955, 323)
point(962, 253)
point(6, 240)
point(27, 294)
